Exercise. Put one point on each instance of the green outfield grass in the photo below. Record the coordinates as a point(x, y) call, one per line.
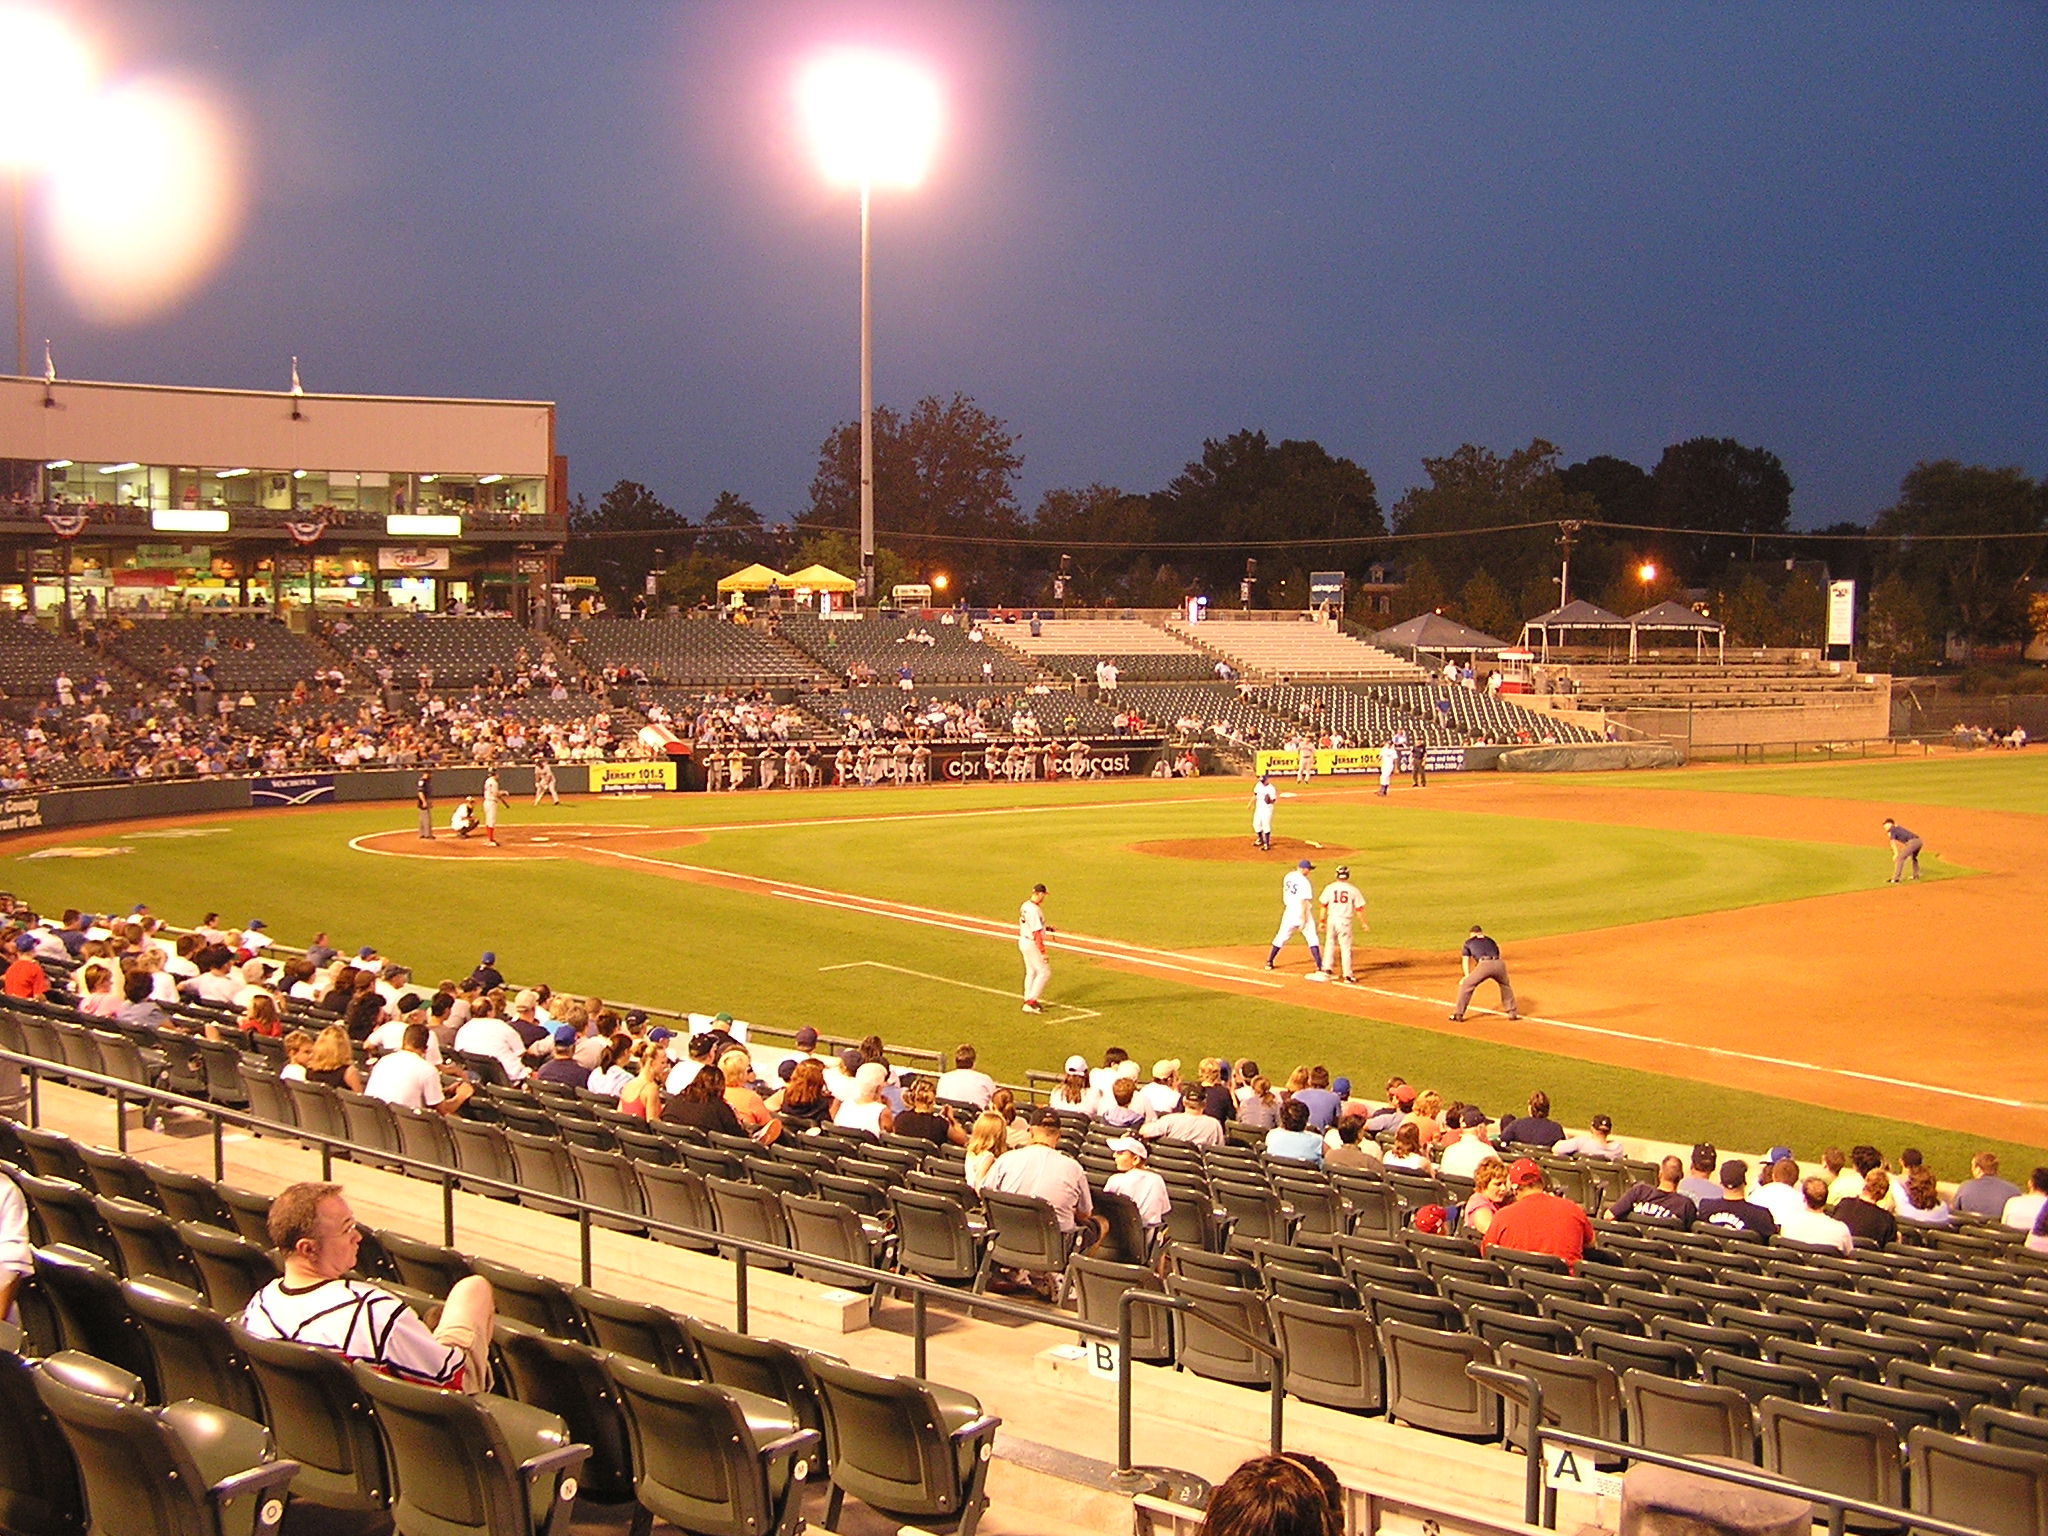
point(632, 934)
point(1985, 781)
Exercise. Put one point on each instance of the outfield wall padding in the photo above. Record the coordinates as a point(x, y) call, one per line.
point(1591, 757)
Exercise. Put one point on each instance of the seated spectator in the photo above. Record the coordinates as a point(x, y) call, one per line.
point(1345, 1145)
point(1918, 1203)
point(702, 1104)
point(1984, 1193)
point(1407, 1154)
point(1777, 1189)
point(1699, 1182)
point(1597, 1142)
point(97, 995)
point(1218, 1101)
point(643, 1096)
point(738, 1070)
point(988, 1141)
point(333, 1060)
point(1323, 1105)
point(1132, 1179)
point(141, 1008)
point(406, 1078)
point(1536, 1221)
point(1429, 1104)
point(1017, 1127)
point(1400, 1099)
point(964, 1084)
point(1072, 1095)
point(1491, 1194)
point(298, 1050)
point(1848, 1184)
point(1188, 1123)
point(1292, 1138)
point(924, 1117)
point(1535, 1129)
point(1813, 1225)
point(2022, 1209)
point(315, 1232)
point(561, 1066)
point(1732, 1209)
point(804, 1097)
point(1116, 1062)
point(1471, 1148)
point(1865, 1215)
point(498, 1039)
point(1123, 1112)
point(390, 1035)
point(614, 1068)
point(1662, 1204)
point(1260, 1106)
point(1041, 1170)
point(2037, 1239)
point(1163, 1094)
point(866, 1110)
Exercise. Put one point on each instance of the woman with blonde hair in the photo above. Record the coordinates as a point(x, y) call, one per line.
point(642, 1096)
point(1016, 1129)
point(1408, 1153)
point(99, 997)
point(988, 1141)
point(333, 1060)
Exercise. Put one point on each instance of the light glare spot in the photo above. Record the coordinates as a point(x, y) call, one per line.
point(871, 117)
point(49, 77)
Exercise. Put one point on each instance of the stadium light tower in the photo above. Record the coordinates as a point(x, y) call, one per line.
point(873, 120)
point(48, 71)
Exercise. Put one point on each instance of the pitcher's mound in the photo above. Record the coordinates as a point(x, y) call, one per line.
point(1285, 850)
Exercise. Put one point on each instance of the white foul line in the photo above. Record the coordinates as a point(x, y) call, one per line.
point(954, 981)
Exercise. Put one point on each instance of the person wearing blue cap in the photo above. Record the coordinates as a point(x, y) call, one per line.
point(1297, 915)
point(486, 975)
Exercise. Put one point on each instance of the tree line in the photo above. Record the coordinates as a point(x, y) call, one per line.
point(1483, 538)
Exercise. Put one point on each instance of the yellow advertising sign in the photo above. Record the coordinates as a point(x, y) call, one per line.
point(613, 778)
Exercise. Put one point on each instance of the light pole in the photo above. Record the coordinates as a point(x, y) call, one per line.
point(48, 70)
point(873, 119)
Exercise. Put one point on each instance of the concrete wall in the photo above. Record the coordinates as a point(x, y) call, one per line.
point(1860, 716)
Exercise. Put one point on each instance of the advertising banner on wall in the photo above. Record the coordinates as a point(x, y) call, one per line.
point(1841, 620)
point(21, 813)
point(294, 789)
point(631, 778)
point(1347, 762)
point(397, 559)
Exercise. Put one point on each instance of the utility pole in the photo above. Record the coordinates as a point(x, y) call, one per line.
point(1567, 531)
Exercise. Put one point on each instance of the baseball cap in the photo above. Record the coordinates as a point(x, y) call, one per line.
point(1048, 1117)
point(1077, 1064)
point(806, 1038)
point(1778, 1154)
point(1404, 1094)
point(1304, 864)
point(257, 922)
point(1523, 1170)
point(409, 1002)
point(721, 1020)
point(1038, 890)
point(1734, 1173)
point(1341, 1086)
point(25, 943)
point(658, 1034)
point(849, 1061)
point(635, 1017)
point(1473, 1115)
point(1165, 1067)
point(1343, 871)
point(1430, 1219)
point(1603, 1123)
point(366, 951)
point(490, 957)
point(1129, 1144)
point(565, 1035)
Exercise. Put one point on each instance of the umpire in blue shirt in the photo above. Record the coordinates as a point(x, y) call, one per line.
point(1482, 962)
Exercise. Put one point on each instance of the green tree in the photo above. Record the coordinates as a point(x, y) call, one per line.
point(1422, 592)
point(1716, 484)
point(946, 472)
point(1977, 573)
point(732, 531)
point(1895, 630)
point(1750, 612)
point(1246, 489)
point(1068, 521)
point(1483, 603)
point(841, 552)
point(616, 540)
point(1475, 488)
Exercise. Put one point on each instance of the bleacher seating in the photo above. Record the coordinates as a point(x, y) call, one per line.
point(879, 643)
point(32, 659)
point(462, 651)
point(688, 650)
point(1743, 683)
point(1143, 652)
point(1292, 648)
point(257, 654)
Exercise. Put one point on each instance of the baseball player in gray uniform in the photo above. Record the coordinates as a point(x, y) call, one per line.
point(1905, 849)
point(1482, 962)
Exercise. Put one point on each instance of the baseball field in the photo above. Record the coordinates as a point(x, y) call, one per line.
point(1707, 952)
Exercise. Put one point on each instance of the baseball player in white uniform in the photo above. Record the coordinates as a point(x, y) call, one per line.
point(1343, 908)
point(1298, 897)
point(1031, 931)
point(1265, 795)
point(491, 807)
point(544, 781)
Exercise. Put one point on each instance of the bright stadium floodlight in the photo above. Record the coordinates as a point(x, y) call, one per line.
point(873, 119)
point(49, 73)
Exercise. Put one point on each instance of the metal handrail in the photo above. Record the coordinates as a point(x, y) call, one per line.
point(1130, 1301)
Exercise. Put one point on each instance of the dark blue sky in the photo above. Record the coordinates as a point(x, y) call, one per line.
point(1390, 227)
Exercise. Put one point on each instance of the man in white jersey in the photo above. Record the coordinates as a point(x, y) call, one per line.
point(1031, 931)
point(1343, 907)
point(491, 807)
point(544, 781)
point(1265, 795)
point(1298, 898)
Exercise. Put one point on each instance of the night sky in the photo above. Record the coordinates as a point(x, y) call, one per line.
point(1392, 228)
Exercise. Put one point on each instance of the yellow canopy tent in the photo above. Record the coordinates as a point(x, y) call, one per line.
point(754, 578)
point(819, 578)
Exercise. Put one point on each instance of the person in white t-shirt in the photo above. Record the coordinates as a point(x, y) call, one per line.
point(390, 1035)
point(1138, 1183)
point(964, 1084)
point(496, 1038)
point(407, 1079)
point(1811, 1224)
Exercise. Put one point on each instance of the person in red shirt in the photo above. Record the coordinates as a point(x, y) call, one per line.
point(1537, 1221)
point(25, 977)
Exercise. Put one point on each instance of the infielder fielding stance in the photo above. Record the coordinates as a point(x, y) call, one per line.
point(1264, 796)
point(1905, 849)
point(1482, 962)
point(1031, 931)
point(1298, 916)
point(1343, 907)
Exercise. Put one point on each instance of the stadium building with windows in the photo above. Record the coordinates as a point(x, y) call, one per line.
point(144, 497)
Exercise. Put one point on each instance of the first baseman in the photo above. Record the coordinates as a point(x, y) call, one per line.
point(1482, 962)
point(1905, 849)
point(1031, 931)
point(1265, 795)
point(1343, 906)
point(1298, 897)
